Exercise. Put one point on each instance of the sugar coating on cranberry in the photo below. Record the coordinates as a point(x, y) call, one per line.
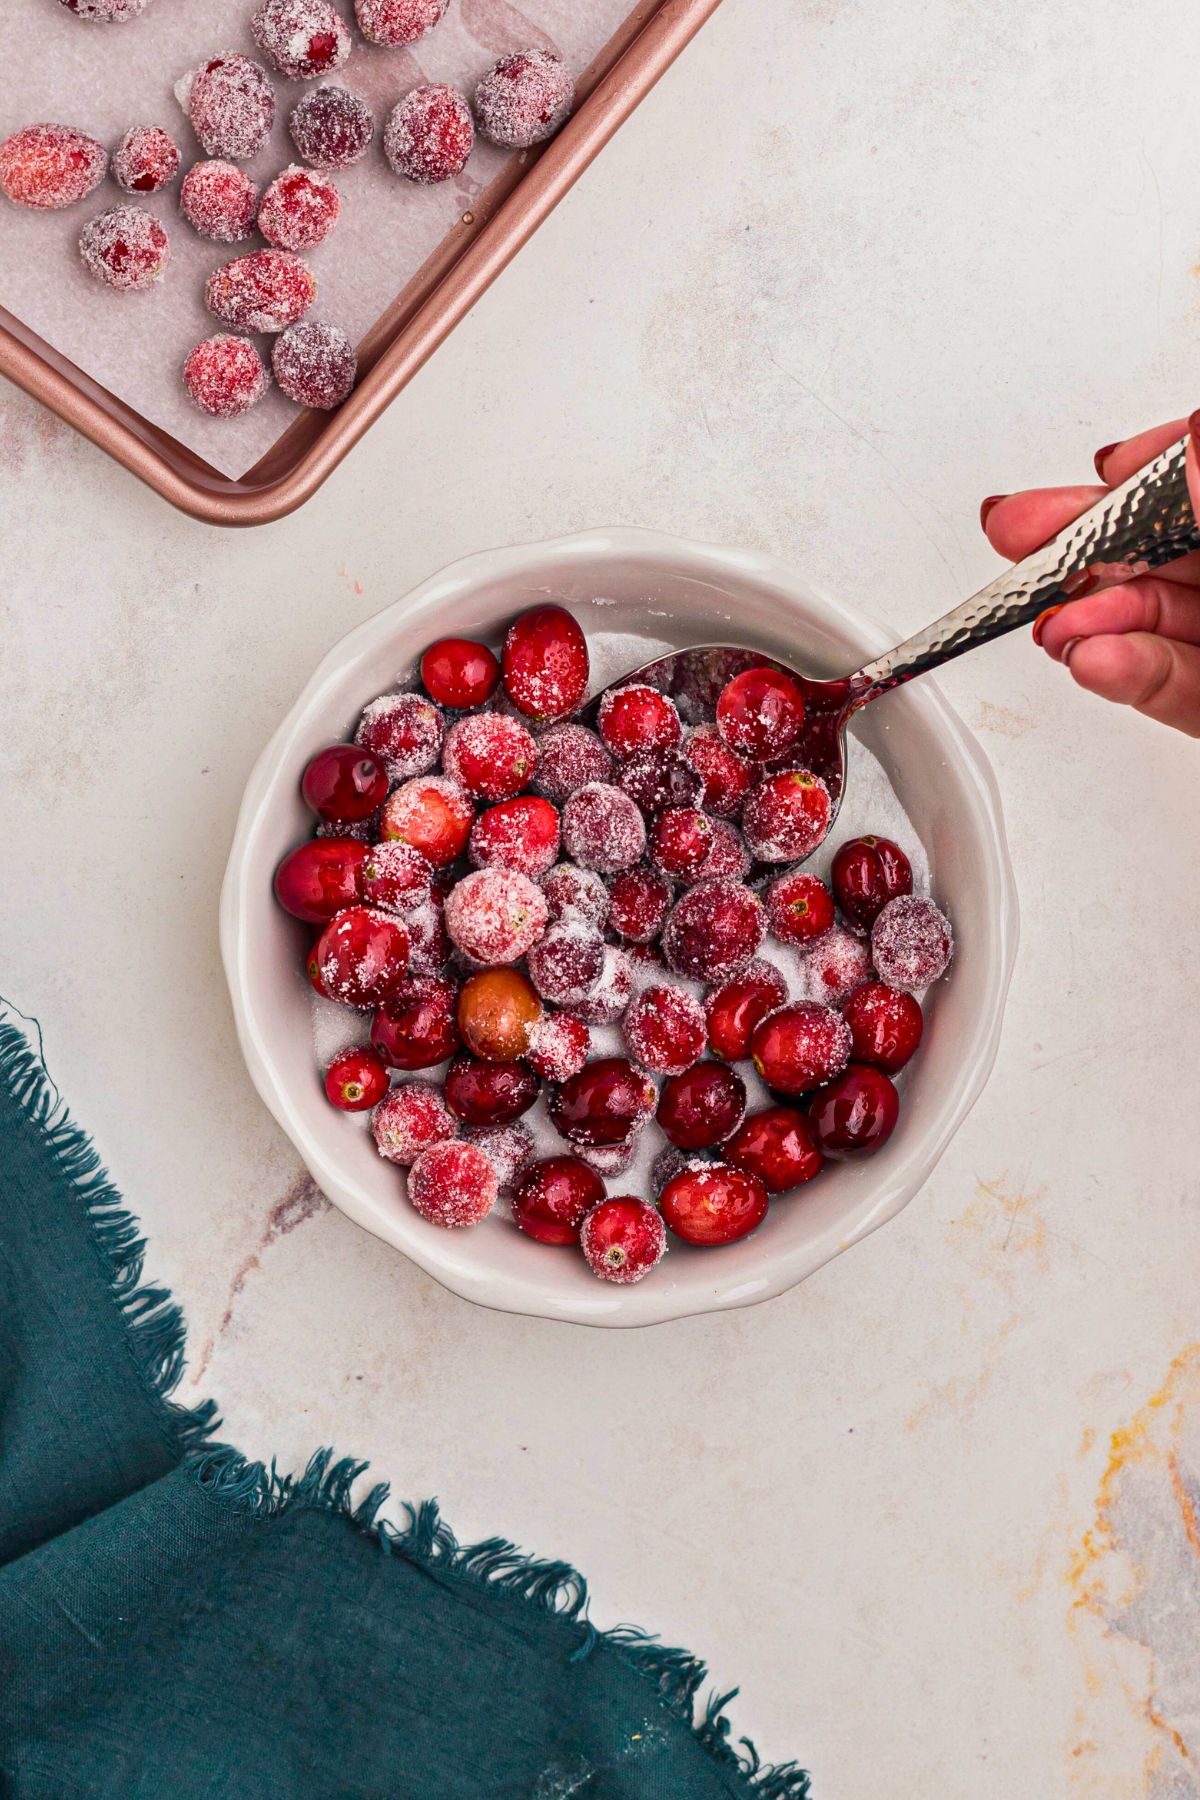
point(106, 12)
point(554, 1198)
point(524, 98)
point(409, 1119)
point(453, 1185)
point(519, 834)
point(569, 757)
point(886, 1025)
point(264, 291)
point(713, 1203)
point(566, 964)
point(609, 1160)
point(509, 1148)
point(429, 134)
point(433, 814)
point(800, 1047)
point(145, 160)
point(702, 1106)
point(664, 1029)
point(356, 1081)
point(656, 778)
point(603, 828)
point(496, 916)
point(623, 1239)
point(638, 717)
point(835, 965)
point(680, 840)
point(728, 858)
point(405, 731)
point(799, 908)
point(225, 376)
point(545, 663)
point(299, 209)
point(605, 1103)
point(492, 755)
point(714, 930)
point(786, 816)
point(760, 713)
point(314, 364)
point(725, 774)
point(231, 104)
point(558, 1046)
point(331, 127)
point(428, 939)
point(638, 903)
point(911, 943)
point(362, 955)
point(48, 166)
point(126, 249)
point(611, 994)
point(576, 893)
point(396, 22)
point(302, 38)
point(219, 200)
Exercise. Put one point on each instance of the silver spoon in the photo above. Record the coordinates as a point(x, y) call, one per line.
point(1133, 529)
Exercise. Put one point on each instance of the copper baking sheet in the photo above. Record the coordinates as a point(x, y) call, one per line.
point(499, 221)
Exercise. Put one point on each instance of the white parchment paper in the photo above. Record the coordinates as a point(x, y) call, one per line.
point(104, 78)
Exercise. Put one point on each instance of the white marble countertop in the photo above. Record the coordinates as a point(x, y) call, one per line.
point(938, 1510)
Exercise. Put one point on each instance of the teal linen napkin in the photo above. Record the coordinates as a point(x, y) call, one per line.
point(177, 1623)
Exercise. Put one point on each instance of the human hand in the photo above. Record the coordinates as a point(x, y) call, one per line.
point(1137, 644)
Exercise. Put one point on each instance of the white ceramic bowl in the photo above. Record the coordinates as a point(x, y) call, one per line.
point(663, 588)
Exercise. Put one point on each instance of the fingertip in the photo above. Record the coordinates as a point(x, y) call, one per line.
point(1124, 669)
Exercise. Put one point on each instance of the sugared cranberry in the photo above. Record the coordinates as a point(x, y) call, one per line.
point(680, 840)
point(777, 1145)
point(664, 1029)
point(497, 1012)
point(604, 1104)
point(225, 376)
point(622, 1239)
point(453, 1185)
point(638, 717)
point(800, 1046)
point(559, 1046)
point(396, 22)
point(409, 1119)
point(264, 291)
point(554, 1199)
point(735, 1008)
point(911, 943)
point(725, 774)
point(429, 941)
point(666, 1165)
point(576, 893)
point(638, 900)
point(714, 930)
point(363, 956)
point(299, 209)
point(545, 663)
point(303, 38)
point(713, 1203)
point(219, 200)
point(799, 908)
point(728, 858)
point(570, 756)
point(609, 1160)
point(760, 712)
point(145, 160)
point(885, 1026)
point(320, 878)
point(610, 996)
point(49, 166)
point(786, 816)
point(459, 673)
point(231, 104)
point(491, 754)
point(509, 1148)
point(106, 12)
point(656, 778)
point(417, 1028)
point(395, 876)
point(519, 834)
point(835, 965)
point(405, 731)
point(489, 1093)
point(603, 829)
point(331, 127)
point(496, 916)
point(855, 1114)
point(524, 98)
point(126, 249)
point(868, 872)
point(356, 1081)
point(344, 783)
point(702, 1107)
point(432, 814)
point(567, 963)
point(429, 134)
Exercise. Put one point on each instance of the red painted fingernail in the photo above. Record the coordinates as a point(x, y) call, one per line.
point(1101, 457)
point(1043, 619)
point(985, 510)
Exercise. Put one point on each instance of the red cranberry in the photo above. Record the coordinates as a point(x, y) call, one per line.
point(126, 249)
point(777, 1145)
point(559, 1046)
point(610, 996)
point(603, 829)
point(786, 816)
point(433, 815)
point(664, 1029)
point(735, 1008)
point(405, 731)
point(145, 160)
point(429, 134)
point(48, 166)
point(509, 1149)
point(312, 969)
point(701, 1107)
point(523, 99)
point(727, 859)
point(835, 965)
point(496, 916)
point(396, 876)
point(604, 1104)
point(319, 878)
point(416, 1028)
point(106, 12)
point(397, 22)
point(800, 1047)
point(680, 841)
point(331, 127)
point(231, 104)
point(554, 1199)
point(911, 942)
point(857, 1113)
point(569, 757)
point(453, 1185)
point(567, 963)
point(409, 1119)
point(498, 1012)
point(576, 893)
point(545, 663)
point(459, 673)
point(760, 712)
point(713, 1204)
point(302, 38)
point(639, 900)
point(867, 873)
point(264, 291)
point(363, 955)
point(885, 1026)
point(225, 376)
point(622, 1239)
point(726, 775)
point(489, 1093)
point(492, 755)
point(520, 834)
point(714, 930)
point(220, 201)
point(429, 941)
point(344, 783)
point(656, 778)
point(356, 1081)
point(299, 209)
point(799, 908)
point(638, 717)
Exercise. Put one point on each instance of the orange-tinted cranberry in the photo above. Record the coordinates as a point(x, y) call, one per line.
point(497, 1012)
